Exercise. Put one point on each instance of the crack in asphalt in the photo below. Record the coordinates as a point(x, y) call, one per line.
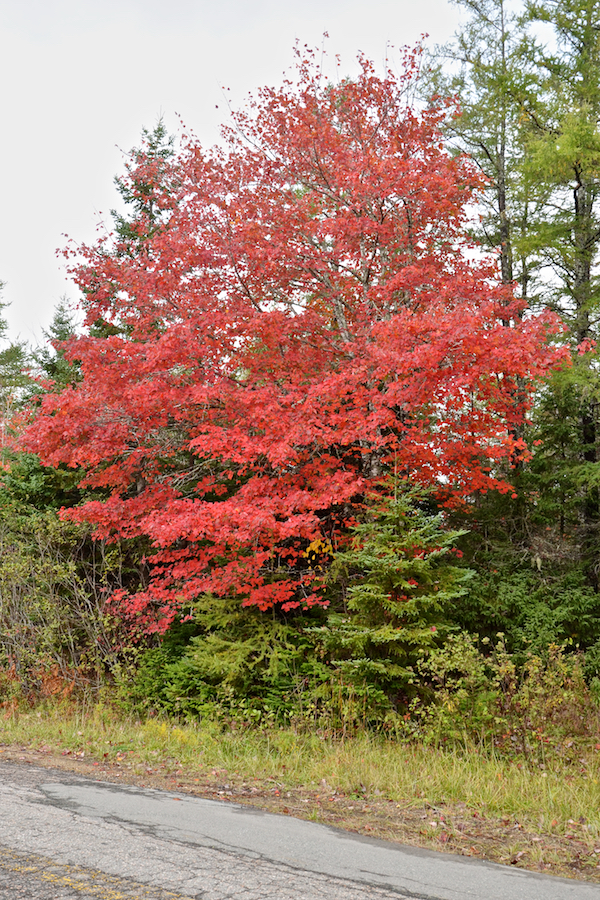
point(67, 838)
point(107, 857)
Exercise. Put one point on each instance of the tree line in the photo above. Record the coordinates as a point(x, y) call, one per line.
point(333, 409)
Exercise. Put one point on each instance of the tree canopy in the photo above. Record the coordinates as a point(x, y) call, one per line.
point(289, 319)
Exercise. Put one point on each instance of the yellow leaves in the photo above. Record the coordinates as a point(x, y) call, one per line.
point(316, 551)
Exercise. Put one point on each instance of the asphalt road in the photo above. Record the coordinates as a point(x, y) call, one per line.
point(64, 837)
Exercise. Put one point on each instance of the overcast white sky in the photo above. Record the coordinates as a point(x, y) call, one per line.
point(83, 77)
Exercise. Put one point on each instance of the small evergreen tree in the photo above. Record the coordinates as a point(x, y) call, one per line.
point(145, 189)
point(14, 366)
point(399, 579)
point(50, 358)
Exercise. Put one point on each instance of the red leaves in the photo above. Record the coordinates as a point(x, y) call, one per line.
point(308, 313)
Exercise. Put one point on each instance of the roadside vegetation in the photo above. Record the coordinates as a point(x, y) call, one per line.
point(463, 798)
point(306, 513)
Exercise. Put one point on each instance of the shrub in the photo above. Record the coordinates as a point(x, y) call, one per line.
point(540, 709)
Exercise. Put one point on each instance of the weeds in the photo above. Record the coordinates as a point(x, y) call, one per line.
point(364, 766)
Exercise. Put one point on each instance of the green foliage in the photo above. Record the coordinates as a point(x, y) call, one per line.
point(15, 377)
point(239, 662)
point(399, 582)
point(541, 710)
point(55, 581)
point(52, 613)
point(50, 358)
point(530, 117)
point(463, 693)
point(483, 67)
point(529, 581)
point(145, 190)
point(533, 607)
point(562, 165)
point(25, 481)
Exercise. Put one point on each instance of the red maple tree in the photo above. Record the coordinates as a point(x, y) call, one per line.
point(284, 320)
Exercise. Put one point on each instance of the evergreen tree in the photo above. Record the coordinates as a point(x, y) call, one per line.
point(399, 581)
point(14, 371)
point(25, 482)
point(50, 358)
point(484, 68)
point(530, 118)
point(145, 188)
point(563, 165)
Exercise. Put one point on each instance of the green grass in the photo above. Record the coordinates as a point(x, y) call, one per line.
point(412, 775)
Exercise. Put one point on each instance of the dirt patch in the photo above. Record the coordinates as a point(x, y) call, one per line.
point(450, 829)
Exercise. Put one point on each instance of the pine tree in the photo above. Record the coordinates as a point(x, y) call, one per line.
point(144, 187)
point(563, 164)
point(50, 358)
point(484, 68)
point(530, 118)
point(399, 580)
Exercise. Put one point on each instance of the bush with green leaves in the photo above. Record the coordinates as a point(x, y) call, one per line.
point(533, 607)
point(52, 605)
point(540, 708)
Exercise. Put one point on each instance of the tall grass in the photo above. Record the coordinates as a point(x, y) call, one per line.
point(367, 766)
